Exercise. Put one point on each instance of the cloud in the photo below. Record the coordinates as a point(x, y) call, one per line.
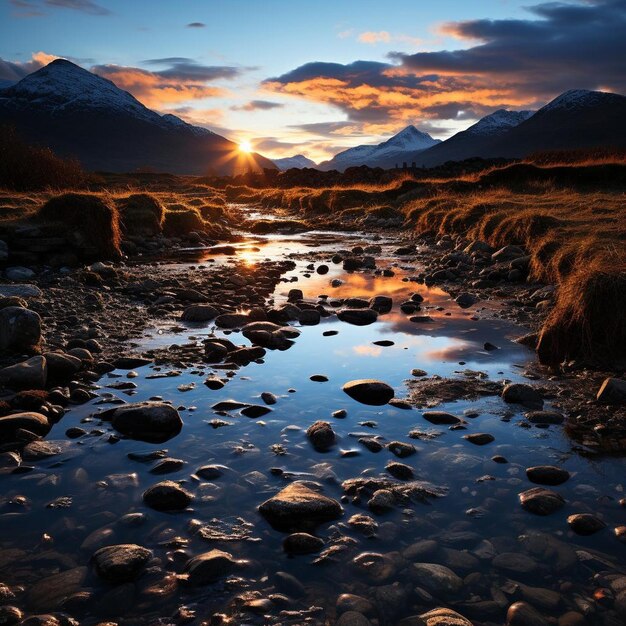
point(155, 90)
point(372, 37)
point(184, 69)
point(514, 63)
point(86, 6)
point(257, 105)
point(16, 70)
point(196, 25)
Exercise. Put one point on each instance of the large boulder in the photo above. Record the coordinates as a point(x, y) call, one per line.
point(20, 329)
point(30, 421)
point(369, 391)
point(155, 422)
point(29, 374)
point(297, 507)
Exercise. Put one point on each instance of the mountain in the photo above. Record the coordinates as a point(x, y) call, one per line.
point(400, 148)
point(77, 113)
point(474, 141)
point(575, 119)
point(299, 161)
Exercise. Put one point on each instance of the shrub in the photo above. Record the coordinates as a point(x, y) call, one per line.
point(27, 168)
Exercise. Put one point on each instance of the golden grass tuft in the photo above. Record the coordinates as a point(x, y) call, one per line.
point(92, 223)
point(141, 214)
point(181, 222)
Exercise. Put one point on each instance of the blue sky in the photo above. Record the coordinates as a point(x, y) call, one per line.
point(320, 101)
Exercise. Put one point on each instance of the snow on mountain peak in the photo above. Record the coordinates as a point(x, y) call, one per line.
point(576, 98)
point(409, 138)
point(498, 121)
point(62, 84)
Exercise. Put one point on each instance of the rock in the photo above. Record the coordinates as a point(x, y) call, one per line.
point(353, 602)
point(364, 524)
point(30, 421)
point(541, 501)
point(522, 614)
point(10, 615)
point(547, 475)
point(358, 317)
point(443, 617)
point(437, 579)
point(130, 362)
point(20, 329)
point(612, 391)
point(382, 500)
point(377, 568)
point(479, 439)
point(295, 294)
point(381, 304)
point(255, 410)
point(121, 563)
point(544, 417)
point(572, 618)
point(49, 593)
point(401, 449)
point(520, 393)
point(209, 567)
point(62, 366)
point(298, 507)
point(199, 313)
point(29, 374)
point(369, 391)
point(321, 435)
point(302, 543)
point(585, 523)
point(20, 291)
point(210, 472)
point(309, 317)
point(154, 422)
point(352, 618)
point(508, 253)
point(18, 273)
point(4, 251)
point(515, 563)
point(167, 496)
point(167, 465)
point(400, 471)
point(441, 417)
point(231, 320)
point(466, 300)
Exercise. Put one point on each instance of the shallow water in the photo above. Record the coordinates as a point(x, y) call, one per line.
point(482, 501)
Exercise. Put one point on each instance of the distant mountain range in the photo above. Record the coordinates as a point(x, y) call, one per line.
point(394, 151)
point(79, 114)
point(299, 161)
point(575, 119)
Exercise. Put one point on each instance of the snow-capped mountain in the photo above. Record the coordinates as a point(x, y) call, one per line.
point(472, 141)
point(499, 122)
point(575, 119)
point(298, 161)
point(80, 114)
point(394, 151)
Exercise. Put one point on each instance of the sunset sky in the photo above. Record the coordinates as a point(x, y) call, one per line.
point(317, 77)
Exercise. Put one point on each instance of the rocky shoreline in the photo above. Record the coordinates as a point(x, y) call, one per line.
point(69, 330)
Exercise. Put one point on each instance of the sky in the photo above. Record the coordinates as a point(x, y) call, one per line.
point(317, 77)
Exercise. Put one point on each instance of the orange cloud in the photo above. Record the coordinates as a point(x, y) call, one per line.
point(372, 37)
point(154, 90)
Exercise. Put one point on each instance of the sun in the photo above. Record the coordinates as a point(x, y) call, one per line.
point(245, 146)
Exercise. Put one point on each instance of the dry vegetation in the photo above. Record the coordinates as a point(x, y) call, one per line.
point(569, 216)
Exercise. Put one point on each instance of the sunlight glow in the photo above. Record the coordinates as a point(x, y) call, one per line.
point(245, 146)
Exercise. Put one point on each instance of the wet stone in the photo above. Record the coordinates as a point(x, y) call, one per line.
point(302, 543)
point(585, 523)
point(523, 614)
point(298, 507)
point(321, 435)
point(479, 439)
point(167, 496)
point(541, 501)
point(544, 417)
point(358, 317)
point(437, 579)
point(352, 618)
point(400, 471)
point(154, 422)
point(515, 563)
point(210, 567)
point(401, 449)
point(547, 475)
point(441, 617)
point(520, 393)
point(441, 417)
point(121, 563)
point(369, 391)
